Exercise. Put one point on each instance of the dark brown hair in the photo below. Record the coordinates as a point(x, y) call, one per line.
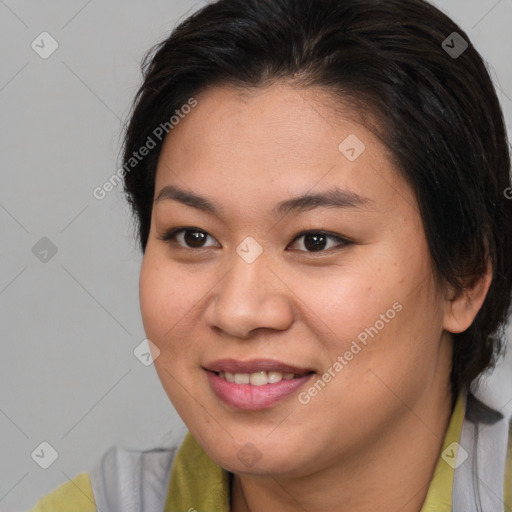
point(437, 112)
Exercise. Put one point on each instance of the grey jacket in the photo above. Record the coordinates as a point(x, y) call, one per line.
point(131, 480)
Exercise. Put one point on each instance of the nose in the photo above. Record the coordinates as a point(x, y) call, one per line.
point(251, 296)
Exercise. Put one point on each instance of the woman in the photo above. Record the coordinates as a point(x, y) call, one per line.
point(320, 190)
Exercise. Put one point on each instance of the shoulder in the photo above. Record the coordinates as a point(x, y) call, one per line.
point(508, 472)
point(74, 495)
point(495, 433)
point(124, 478)
point(134, 478)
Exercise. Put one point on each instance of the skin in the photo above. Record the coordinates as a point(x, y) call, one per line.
point(373, 435)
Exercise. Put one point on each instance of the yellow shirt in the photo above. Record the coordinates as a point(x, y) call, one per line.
point(198, 484)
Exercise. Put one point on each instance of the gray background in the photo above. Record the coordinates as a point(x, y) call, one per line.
point(69, 325)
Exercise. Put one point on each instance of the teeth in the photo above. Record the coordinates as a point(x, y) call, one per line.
point(256, 378)
point(259, 378)
point(242, 378)
point(274, 377)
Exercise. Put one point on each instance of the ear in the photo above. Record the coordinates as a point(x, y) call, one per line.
point(460, 310)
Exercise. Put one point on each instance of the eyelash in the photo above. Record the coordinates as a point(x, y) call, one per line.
point(170, 237)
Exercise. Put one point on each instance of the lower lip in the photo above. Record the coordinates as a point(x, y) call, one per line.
point(247, 396)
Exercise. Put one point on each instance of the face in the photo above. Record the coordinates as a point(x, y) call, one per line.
point(335, 288)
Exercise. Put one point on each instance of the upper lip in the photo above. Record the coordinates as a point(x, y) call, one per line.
point(253, 366)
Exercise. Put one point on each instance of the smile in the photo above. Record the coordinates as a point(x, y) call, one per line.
point(258, 378)
point(255, 391)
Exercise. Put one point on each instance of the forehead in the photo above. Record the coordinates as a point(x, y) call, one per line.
point(264, 119)
point(278, 138)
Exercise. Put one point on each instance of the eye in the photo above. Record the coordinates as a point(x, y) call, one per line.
point(188, 237)
point(318, 241)
point(195, 238)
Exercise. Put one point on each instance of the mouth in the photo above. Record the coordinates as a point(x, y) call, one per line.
point(256, 372)
point(256, 384)
point(260, 378)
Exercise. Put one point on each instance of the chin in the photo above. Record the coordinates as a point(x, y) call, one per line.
point(258, 458)
point(277, 467)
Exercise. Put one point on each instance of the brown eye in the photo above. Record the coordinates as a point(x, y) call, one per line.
point(318, 241)
point(315, 241)
point(191, 238)
point(195, 238)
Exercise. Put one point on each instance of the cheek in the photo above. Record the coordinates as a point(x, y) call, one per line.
point(153, 294)
point(165, 298)
point(385, 302)
point(341, 301)
point(167, 308)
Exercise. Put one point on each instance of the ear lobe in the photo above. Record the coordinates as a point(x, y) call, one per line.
point(461, 310)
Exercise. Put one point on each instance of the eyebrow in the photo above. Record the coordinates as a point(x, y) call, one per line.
point(333, 198)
